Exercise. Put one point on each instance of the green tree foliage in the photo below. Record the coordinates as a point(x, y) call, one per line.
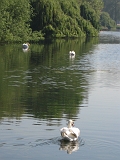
point(64, 18)
point(23, 20)
point(56, 18)
point(90, 10)
point(97, 5)
point(88, 13)
point(14, 18)
point(113, 8)
point(106, 21)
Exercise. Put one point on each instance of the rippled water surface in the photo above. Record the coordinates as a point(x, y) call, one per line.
point(42, 88)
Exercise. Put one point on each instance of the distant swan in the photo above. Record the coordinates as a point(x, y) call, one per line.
point(70, 133)
point(25, 45)
point(72, 53)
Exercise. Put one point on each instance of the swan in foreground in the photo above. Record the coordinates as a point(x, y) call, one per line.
point(72, 53)
point(70, 133)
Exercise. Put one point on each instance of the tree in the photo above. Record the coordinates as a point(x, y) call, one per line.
point(113, 8)
point(15, 18)
point(23, 20)
point(106, 21)
point(91, 10)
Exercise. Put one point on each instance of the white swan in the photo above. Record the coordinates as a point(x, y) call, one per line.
point(70, 133)
point(25, 46)
point(72, 53)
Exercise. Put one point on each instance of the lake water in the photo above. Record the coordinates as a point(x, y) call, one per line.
point(42, 88)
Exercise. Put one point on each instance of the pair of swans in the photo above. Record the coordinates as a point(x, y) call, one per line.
point(70, 133)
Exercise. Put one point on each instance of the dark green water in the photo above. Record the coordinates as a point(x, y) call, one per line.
point(42, 88)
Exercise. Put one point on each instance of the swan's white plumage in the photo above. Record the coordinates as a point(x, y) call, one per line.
point(70, 133)
point(72, 53)
point(25, 45)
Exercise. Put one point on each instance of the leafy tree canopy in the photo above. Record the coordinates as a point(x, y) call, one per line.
point(14, 18)
point(25, 20)
point(113, 8)
point(106, 21)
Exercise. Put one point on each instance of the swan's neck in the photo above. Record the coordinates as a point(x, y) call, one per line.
point(69, 125)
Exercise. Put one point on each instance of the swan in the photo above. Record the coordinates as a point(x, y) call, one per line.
point(25, 46)
point(70, 133)
point(72, 53)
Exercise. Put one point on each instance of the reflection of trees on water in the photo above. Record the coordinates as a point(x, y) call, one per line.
point(12, 63)
point(42, 81)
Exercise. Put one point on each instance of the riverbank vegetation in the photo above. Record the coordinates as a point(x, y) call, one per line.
point(113, 8)
point(110, 15)
point(33, 20)
point(107, 23)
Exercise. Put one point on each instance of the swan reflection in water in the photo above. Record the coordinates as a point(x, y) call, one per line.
point(68, 146)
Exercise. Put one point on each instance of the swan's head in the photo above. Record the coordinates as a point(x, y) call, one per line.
point(70, 123)
point(28, 44)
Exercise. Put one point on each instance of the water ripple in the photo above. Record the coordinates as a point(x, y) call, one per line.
point(67, 146)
